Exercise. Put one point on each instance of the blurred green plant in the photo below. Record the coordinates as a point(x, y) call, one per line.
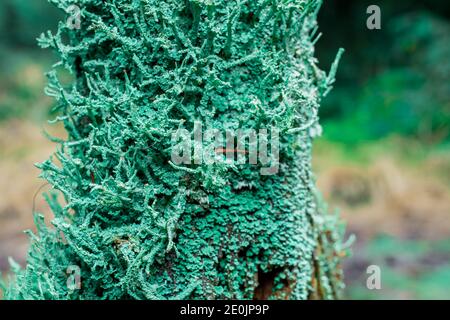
point(21, 62)
point(396, 84)
point(22, 21)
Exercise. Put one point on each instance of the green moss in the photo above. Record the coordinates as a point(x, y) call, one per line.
point(142, 228)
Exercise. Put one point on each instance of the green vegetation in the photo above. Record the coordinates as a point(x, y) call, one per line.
point(392, 81)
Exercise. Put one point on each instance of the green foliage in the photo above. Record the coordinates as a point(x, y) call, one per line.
point(20, 85)
point(21, 88)
point(140, 227)
point(20, 20)
point(394, 81)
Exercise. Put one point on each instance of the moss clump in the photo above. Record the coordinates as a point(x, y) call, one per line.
point(139, 226)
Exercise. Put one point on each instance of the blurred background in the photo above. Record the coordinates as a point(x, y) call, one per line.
point(383, 162)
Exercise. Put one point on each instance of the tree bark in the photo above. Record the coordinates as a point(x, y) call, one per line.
point(137, 225)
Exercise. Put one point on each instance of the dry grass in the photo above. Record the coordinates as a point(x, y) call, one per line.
point(22, 144)
point(388, 197)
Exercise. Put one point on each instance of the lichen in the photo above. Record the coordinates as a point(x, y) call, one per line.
point(140, 227)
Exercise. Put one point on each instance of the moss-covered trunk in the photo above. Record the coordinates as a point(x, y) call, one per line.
point(137, 224)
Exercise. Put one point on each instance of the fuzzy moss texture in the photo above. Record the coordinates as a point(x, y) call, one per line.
point(140, 227)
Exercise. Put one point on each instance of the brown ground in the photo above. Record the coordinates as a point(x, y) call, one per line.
point(385, 197)
point(22, 144)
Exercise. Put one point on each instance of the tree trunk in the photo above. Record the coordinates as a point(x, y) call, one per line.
point(136, 224)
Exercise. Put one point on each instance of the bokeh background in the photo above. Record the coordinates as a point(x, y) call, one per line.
point(383, 162)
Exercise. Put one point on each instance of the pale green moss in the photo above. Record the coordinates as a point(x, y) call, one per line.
point(141, 228)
